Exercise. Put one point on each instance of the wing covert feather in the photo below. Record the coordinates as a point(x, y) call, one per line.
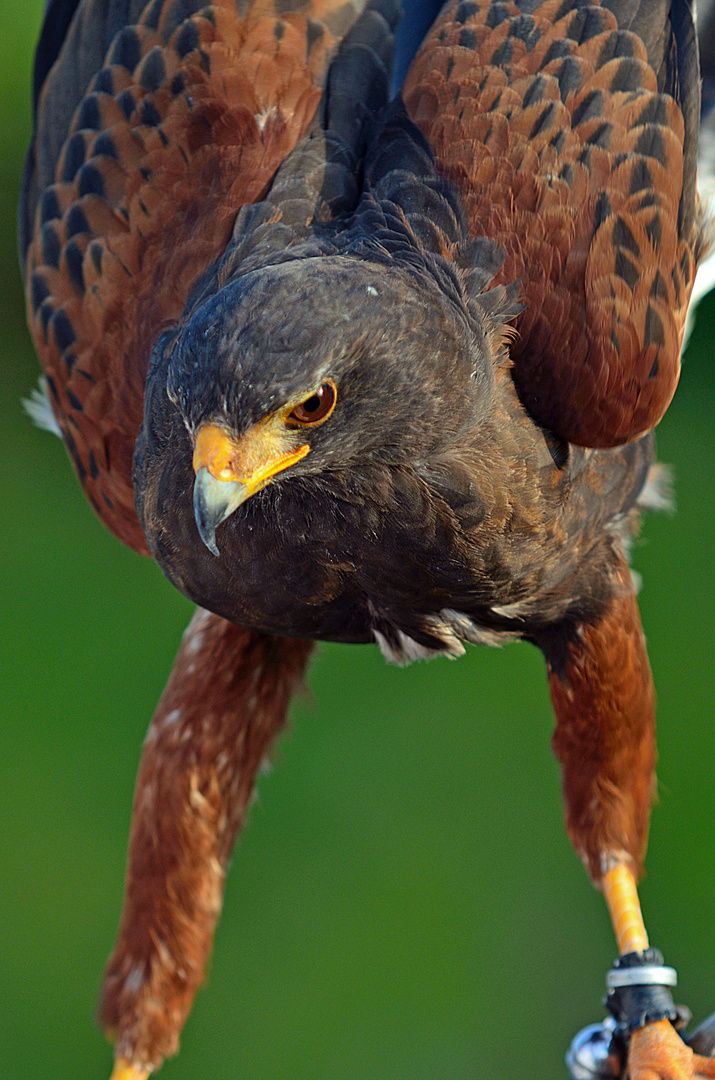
point(185, 121)
point(570, 139)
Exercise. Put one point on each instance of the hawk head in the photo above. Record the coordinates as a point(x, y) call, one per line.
point(287, 426)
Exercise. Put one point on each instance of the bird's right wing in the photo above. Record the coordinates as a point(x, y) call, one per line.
point(156, 120)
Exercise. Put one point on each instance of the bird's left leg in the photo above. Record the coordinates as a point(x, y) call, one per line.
point(603, 696)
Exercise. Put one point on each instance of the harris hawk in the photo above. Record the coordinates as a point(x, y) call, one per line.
point(355, 370)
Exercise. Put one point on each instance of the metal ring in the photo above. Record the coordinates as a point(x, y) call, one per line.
point(651, 975)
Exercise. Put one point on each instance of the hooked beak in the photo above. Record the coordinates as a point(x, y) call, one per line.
point(229, 470)
point(214, 501)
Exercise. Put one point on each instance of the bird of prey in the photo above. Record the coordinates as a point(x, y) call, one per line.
point(354, 369)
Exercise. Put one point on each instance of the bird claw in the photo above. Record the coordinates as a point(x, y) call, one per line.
point(657, 1052)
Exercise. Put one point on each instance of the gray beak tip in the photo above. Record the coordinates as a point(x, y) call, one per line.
point(214, 501)
point(211, 545)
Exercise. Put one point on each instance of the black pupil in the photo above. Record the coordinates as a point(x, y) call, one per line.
point(312, 404)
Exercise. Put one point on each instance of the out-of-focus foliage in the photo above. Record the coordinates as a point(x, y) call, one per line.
point(404, 902)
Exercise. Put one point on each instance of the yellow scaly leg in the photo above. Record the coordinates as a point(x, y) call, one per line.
point(656, 1051)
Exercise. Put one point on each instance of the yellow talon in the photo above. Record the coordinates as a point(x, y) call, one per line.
point(124, 1071)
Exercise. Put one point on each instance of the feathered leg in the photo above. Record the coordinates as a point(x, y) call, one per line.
point(225, 701)
point(603, 696)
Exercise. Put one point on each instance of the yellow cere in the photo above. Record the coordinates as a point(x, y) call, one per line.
point(267, 449)
point(213, 450)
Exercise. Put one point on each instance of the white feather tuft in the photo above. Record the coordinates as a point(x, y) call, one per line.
point(405, 650)
point(38, 408)
point(657, 493)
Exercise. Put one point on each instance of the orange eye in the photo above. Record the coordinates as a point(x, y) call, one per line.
point(317, 407)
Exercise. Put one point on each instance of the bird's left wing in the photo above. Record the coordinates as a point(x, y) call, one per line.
point(570, 130)
point(152, 130)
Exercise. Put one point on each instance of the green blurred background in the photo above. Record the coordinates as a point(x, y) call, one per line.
point(404, 902)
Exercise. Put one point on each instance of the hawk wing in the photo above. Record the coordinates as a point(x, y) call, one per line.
point(571, 132)
point(151, 133)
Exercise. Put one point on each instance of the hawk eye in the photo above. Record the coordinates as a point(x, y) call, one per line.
point(315, 408)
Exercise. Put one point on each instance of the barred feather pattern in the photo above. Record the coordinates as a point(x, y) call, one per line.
point(181, 127)
point(568, 141)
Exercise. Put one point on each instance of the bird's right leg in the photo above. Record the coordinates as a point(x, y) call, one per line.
point(225, 701)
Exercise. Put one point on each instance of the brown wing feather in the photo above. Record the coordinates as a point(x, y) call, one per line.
point(171, 138)
point(567, 152)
